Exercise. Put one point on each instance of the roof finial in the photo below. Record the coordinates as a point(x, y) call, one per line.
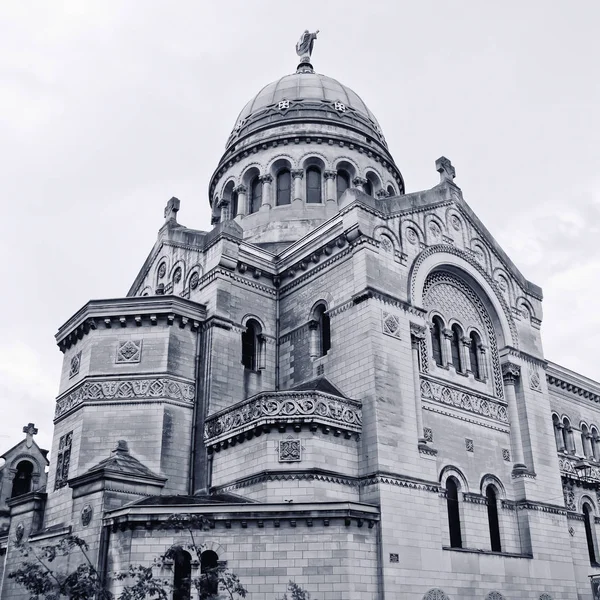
point(304, 48)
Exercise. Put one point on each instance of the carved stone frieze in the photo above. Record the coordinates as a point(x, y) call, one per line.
point(479, 404)
point(390, 324)
point(291, 407)
point(128, 389)
point(567, 469)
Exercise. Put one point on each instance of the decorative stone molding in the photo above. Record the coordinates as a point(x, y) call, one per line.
point(510, 372)
point(469, 445)
point(328, 174)
point(86, 515)
point(575, 389)
point(567, 470)
point(535, 382)
point(506, 454)
point(434, 391)
point(390, 324)
point(125, 389)
point(290, 450)
point(297, 173)
point(436, 594)
point(290, 407)
point(474, 498)
point(129, 351)
point(75, 364)
point(428, 434)
point(494, 596)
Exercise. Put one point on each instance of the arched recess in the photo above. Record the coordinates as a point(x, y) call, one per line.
point(458, 262)
point(230, 201)
point(489, 479)
point(452, 471)
point(384, 232)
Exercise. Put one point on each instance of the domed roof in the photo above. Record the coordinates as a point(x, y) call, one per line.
point(305, 95)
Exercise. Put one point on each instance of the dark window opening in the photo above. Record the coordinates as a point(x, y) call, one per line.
point(324, 330)
point(368, 187)
point(566, 431)
point(492, 510)
point(453, 513)
point(313, 185)
point(22, 480)
point(234, 205)
point(474, 355)
point(251, 346)
point(182, 575)
point(588, 518)
point(255, 195)
point(284, 187)
point(436, 340)
point(209, 568)
point(342, 183)
point(455, 347)
point(391, 191)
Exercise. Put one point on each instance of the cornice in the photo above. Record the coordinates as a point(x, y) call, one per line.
point(578, 385)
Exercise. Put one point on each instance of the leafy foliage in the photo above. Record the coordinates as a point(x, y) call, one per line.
point(296, 593)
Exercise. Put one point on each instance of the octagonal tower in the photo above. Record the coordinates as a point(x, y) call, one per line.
point(296, 146)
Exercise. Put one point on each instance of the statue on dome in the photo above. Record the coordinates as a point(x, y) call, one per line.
point(304, 46)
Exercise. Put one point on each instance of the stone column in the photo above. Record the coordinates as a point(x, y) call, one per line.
point(510, 373)
point(224, 206)
point(560, 441)
point(330, 179)
point(297, 175)
point(313, 342)
point(588, 448)
point(381, 194)
point(242, 192)
point(466, 355)
point(359, 182)
point(266, 181)
point(417, 335)
point(447, 347)
point(483, 366)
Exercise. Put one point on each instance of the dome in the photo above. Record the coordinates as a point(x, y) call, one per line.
point(305, 96)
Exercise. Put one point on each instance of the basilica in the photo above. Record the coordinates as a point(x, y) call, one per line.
point(344, 377)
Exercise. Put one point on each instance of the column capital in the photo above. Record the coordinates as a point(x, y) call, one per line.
point(330, 174)
point(240, 189)
point(313, 324)
point(222, 202)
point(358, 181)
point(297, 173)
point(466, 342)
point(447, 333)
point(266, 178)
point(510, 372)
point(417, 331)
point(381, 194)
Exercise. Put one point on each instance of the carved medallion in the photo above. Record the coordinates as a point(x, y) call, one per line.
point(194, 280)
point(436, 594)
point(86, 515)
point(290, 450)
point(177, 275)
point(75, 364)
point(162, 270)
point(391, 324)
point(19, 532)
point(455, 222)
point(411, 235)
point(435, 229)
point(129, 351)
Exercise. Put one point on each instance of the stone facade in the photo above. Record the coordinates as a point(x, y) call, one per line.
point(352, 391)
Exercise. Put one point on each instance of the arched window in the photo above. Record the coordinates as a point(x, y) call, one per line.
point(595, 444)
point(322, 341)
point(492, 511)
point(588, 518)
point(436, 341)
point(453, 513)
point(255, 194)
point(182, 575)
point(342, 182)
point(234, 205)
point(568, 436)
point(560, 442)
point(22, 480)
point(284, 187)
point(252, 346)
point(455, 347)
point(368, 187)
point(313, 185)
point(391, 191)
point(209, 568)
point(474, 354)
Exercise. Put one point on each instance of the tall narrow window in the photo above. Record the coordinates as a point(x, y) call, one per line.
point(323, 330)
point(255, 195)
point(313, 185)
point(436, 340)
point(453, 513)
point(588, 517)
point(252, 346)
point(22, 480)
point(342, 183)
point(234, 205)
point(182, 575)
point(284, 187)
point(474, 354)
point(455, 347)
point(209, 568)
point(492, 511)
point(368, 187)
point(567, 435)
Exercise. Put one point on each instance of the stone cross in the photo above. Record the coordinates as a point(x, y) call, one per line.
point(171, 209)
point(30, 429)
point(444, 167)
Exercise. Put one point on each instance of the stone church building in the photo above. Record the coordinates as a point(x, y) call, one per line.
point(346, 378)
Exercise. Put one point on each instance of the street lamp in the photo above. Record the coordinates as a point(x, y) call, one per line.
point(583, 469)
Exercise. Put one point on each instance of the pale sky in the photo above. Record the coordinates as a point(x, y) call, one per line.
point(107, 109)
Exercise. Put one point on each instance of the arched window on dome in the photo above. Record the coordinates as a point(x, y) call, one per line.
point(474, 356)
point(182, 575)
point(368, 187)
point(22, 481)
point(209, 570)
point(284, 187)
point(234, 205)
point(255, 194)
point(313, 185)
point(493, 523)
point(342, 182)
point(455, 343)
point(391, 191)
point(437, 341)
point(453, 513)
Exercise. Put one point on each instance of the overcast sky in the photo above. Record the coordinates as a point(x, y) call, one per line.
point(107, 109)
